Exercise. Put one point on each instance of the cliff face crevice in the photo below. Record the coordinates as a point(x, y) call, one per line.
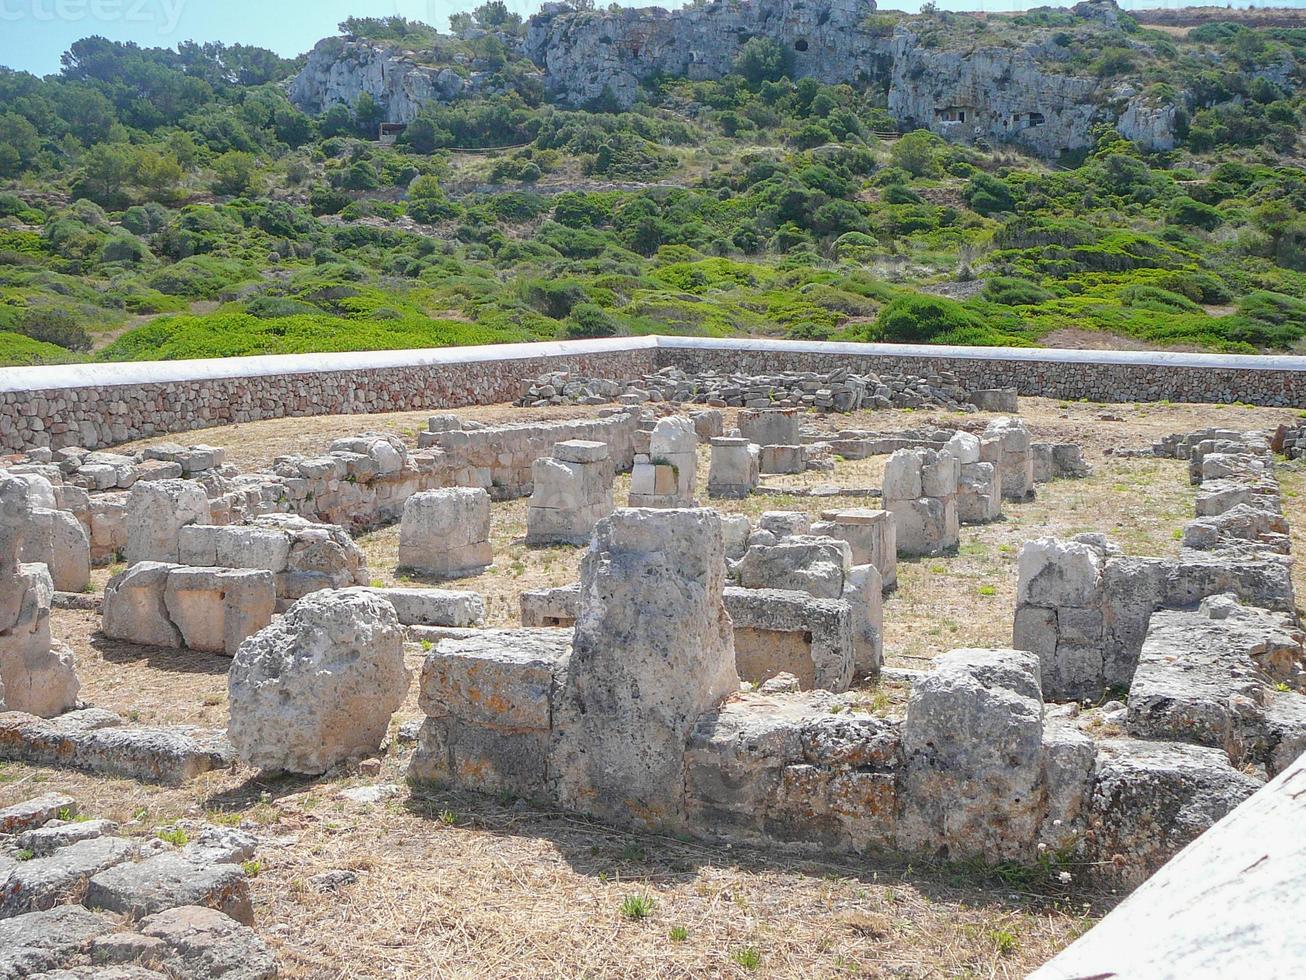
point(1000, 94)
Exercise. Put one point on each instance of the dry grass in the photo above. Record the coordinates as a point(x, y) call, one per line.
point(466, 886)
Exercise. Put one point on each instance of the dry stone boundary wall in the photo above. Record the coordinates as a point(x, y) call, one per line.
point(100, 405)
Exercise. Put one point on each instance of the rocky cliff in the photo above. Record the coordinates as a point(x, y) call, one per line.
point(341, 69)
point(968, 90)
point(584, 53)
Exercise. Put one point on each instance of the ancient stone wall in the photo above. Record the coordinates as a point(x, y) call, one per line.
point(100, 405)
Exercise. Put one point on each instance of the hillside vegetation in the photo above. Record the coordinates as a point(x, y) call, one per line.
point(167, 204)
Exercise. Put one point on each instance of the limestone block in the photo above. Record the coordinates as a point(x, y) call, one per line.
point(653, 649)
point(734, 468)
point(215, 609)
point(446, 532)
point(735, 529)
point(817, 566)
point(783, 632)
point(1150, 799)
point(871, 534)
point(319, 685)
point(202, 941)
point(902, 476)
point(135, 609)
point(1006, 443)
point(156, 512)
point(785, 523)
point(1053, 573)
point(925, 526)
point(57, 540)
point(550, 607)
point(432, 607)
point(972, 741)
point(964, 446)
point(168, 881)
point(979, 494)
point(782, 459)
point(940, 473)
point(863, 590)
point(37, 674)
point(770, 427)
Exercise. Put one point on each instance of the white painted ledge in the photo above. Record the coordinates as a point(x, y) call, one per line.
point(206, 369)
point(1229, 906)
point(55, 377)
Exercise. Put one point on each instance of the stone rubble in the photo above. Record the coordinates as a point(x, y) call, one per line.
point(189, 910)
point(835, 391)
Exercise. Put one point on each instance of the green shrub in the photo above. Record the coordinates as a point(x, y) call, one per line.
point(555, 298)
point(54, 326)
point(1194, 214)
point(590, 320)
point(17, 350)
point(920, 319)
point(1015, 292)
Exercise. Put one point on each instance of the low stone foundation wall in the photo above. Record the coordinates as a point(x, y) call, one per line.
point(104, 404)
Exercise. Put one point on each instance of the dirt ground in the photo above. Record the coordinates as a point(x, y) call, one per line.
point(456, 885)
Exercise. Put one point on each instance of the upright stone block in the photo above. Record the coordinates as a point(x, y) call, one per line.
point(37, 674)
point(770, 426)
point(668, 476)
point(1006, 444)
point(871, 534)
point(734, 468)
point(156, 513)
point(972, 742)
point(572, 492)
point(446, 533)
point(653, 649)
point(920, 490)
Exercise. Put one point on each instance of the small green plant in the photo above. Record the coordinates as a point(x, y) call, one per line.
point(427, 646)
point(25, 855)
point(378, 583)
point(448, 818)
point(1282, 687)
point(66, 813)
point(748, 957)
point(988, 590)
point(636, 907)
point(252, 868)
point(1177, 534)
point(1004, 941)
point(633, 852)
point(177, 836)
point(678, 934)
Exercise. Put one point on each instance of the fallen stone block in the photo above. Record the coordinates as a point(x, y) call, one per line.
point(203, 942)
point(550, 607)
point(98, 741)
point(36, 942)
point(42, 883)
point(41, 841)
point(431, 607)
point(167, 881)
point(319, 685)
point(36, 812)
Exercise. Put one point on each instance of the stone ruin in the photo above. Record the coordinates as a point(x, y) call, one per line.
point(37, 675)
point(572, 491)
point(636, 717)
point(1207, 644)
point(78, 898)
point(446, 533)
point(835, 391)
point(667, 475)
point(920, 490)
point(694, 680)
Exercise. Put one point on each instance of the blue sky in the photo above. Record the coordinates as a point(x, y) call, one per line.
point(33, 33)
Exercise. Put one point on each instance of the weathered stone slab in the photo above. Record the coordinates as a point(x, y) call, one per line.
point(35, 942)
point(166, 881)
point(42, 883)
